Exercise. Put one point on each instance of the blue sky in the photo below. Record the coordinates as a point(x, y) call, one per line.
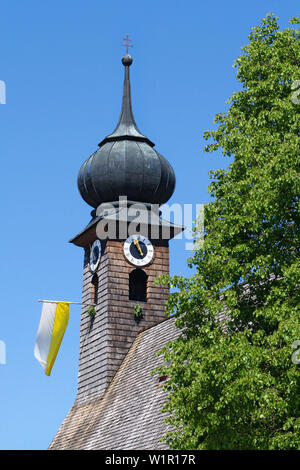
point(61, 63)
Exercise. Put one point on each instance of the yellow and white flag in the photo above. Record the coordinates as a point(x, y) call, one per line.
point(52, 327)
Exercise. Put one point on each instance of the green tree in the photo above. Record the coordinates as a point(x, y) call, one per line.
point(232, 382)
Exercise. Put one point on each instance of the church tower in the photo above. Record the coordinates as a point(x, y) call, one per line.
point(126, 247)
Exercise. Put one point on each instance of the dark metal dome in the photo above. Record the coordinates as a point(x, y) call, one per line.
point(126, 163)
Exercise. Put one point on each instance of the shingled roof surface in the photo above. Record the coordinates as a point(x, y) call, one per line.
point(128, 415)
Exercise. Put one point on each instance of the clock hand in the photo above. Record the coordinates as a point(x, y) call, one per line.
point(136, 242)
point(94, 256)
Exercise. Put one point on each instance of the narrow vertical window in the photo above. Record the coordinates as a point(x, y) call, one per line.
point(94, 289)
point(138, 285)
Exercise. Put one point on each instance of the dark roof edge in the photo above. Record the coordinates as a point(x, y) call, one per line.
point(155, 324)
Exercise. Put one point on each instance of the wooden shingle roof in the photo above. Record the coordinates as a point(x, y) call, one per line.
point(128, 415)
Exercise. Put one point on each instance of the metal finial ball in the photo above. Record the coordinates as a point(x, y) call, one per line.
point(127, 60)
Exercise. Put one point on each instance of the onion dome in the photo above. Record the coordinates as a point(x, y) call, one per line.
point(126, 164)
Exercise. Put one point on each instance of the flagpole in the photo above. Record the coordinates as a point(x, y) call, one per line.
point(64, 302)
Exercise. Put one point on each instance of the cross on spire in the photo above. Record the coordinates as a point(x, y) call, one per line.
point(127, 45)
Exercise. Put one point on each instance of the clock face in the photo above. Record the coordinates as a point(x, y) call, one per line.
point(95, 255)
point(138, 250)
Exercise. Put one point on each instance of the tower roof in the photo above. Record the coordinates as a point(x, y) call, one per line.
point(126, 128)
point(126, 164)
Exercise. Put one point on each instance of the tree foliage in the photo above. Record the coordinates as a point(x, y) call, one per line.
point(232, 383)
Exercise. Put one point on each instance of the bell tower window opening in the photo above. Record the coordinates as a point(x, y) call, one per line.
point(94, 289)
point(138, 285)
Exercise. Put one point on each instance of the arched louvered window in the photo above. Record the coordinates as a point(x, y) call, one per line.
point(94, 289)
point(138, 285)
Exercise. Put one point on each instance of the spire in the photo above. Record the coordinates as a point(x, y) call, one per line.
point(126, 128)
point(126, 163)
